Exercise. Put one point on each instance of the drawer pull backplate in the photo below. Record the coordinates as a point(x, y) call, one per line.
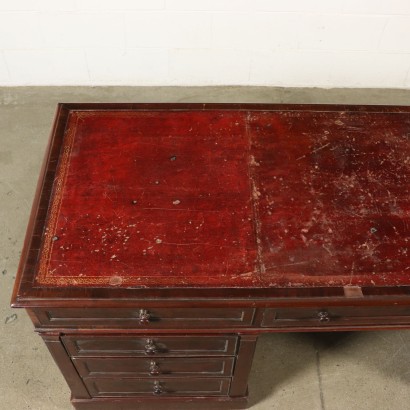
point(154, 368)
point(323, 316)
point(157, 388)
point(150, 347)
point(144, 317)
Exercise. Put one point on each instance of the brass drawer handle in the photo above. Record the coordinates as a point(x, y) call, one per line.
point(144, 317)
point(150, 347)
point(158, 388)
point(154, 369)
point(323, 316)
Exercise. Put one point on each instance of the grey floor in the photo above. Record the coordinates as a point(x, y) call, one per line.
point(291, 371)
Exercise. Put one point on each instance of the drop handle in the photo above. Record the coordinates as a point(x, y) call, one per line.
point(157, 388)
point(323, 316)
point(144, 317)
point(154, 369)
point(150, 347)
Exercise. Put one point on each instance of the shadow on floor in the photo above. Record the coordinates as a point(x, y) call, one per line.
point(285, 358)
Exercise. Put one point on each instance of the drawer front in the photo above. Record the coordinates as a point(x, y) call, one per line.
point(154, 367)
point(105, 387)
point(106, 346)
point(155, 318)
point(336, 316)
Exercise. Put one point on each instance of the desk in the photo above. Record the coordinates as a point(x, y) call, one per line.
point(164, 238)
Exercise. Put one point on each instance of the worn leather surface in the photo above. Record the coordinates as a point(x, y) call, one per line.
point(230, 198)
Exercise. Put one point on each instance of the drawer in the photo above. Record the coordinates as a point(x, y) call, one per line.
point(151, 367)
point(106, 387)
point(155, 318)
point(336, 316)
point(110, 346)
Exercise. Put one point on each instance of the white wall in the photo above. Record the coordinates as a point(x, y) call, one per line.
point(324, 43)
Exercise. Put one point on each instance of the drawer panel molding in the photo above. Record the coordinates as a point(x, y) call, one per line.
point(127, 387)
point(152, 346)
point(146, 367)
point(149, 318)
point(337, 315)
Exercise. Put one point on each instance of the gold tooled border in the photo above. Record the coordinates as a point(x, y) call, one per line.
point(45, 277)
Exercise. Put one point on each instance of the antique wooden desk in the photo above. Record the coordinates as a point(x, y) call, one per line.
point(165, 238)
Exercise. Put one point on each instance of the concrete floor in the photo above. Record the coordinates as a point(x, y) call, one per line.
point(291, 371)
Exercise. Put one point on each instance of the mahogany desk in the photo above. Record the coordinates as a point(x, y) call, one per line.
point(164, 238)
